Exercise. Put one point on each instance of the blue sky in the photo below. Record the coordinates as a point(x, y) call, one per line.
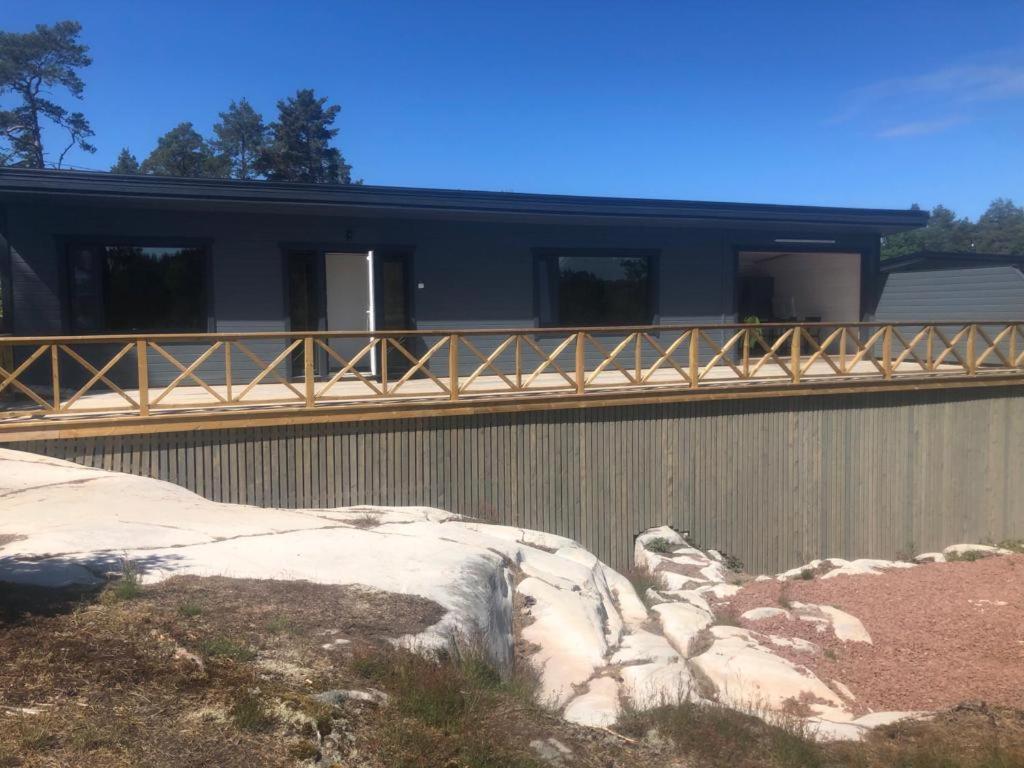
point(831, 103)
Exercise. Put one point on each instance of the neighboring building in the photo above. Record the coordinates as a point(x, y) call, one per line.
point(931, 286)
point(96, 253)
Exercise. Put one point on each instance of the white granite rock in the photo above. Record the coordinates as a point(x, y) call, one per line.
point(598, 707)
point(981, 549)
point(644, 647)
point(748, 676)
point(682, 624)
point(766, 612)
point(646, 686)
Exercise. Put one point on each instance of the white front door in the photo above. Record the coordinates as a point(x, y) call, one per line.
point(349, 284)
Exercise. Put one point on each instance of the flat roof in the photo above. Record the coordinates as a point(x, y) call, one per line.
point(80, 186)
point(923, 260)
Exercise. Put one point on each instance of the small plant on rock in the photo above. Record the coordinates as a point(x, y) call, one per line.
point(660, 545)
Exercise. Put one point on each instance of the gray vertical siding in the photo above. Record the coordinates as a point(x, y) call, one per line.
point(775, 482)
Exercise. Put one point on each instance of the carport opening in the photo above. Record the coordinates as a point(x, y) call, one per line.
point(783, 287)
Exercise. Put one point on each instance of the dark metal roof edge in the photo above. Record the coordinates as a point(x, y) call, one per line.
point(942, 257)
point(78, 183)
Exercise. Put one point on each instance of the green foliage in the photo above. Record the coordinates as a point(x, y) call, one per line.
point(190, 609)
point(239, 138)
point(182, 151)
point(724, 738)
point(33, 65)
point(660, 545)
point(1000, 229)
point(643, 580)
point(250, 713)
point(126, 163)
point(300, 143)
point(128, 586)
point(226, 648)
point(966, 557)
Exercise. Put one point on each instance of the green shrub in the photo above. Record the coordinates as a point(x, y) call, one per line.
point(223, 647)
point(128, 585)
point(250, 713)
point(660, 545)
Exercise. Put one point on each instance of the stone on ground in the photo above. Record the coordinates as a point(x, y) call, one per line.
point(598, 707)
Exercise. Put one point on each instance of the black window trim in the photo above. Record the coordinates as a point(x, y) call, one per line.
point(542, 255)
point(65, 242)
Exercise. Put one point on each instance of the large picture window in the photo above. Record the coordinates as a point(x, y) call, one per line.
point(594, 288)
point(137, 289)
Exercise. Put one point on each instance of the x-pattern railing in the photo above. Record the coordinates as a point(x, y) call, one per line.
point(75, 376)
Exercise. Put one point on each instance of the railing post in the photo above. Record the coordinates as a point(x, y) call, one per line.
point(519, 362)
point(581, 363)
point(384, 365)
point(746, 353)
point(1013, 345)
point(887, 352)
point(55, 371)
point(930, 349)
point(638, 358)
point(694, 357)
point(227, 369)
point(843, 330)
point(143, 362)
point(972, 353)
point(453, 367)
point(794, 355)
point(307, 366)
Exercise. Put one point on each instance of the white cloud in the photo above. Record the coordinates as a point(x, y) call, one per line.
point(934, 101)
point(920, 127)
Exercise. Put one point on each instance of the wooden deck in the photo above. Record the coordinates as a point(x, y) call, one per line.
point(222, 380)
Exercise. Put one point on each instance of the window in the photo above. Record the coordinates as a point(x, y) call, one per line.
point(137, 289)
point(587, 288)
point(6, 321)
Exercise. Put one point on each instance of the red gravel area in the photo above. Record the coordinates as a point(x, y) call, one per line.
point(933, 648)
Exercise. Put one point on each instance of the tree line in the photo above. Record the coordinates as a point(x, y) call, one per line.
point(1000, 229)
point(297, 146)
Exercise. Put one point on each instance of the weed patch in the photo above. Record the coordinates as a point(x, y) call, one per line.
point(643, 580)
point(223, 647)
point(660, 545)
point(128, 586)
point(249, 712)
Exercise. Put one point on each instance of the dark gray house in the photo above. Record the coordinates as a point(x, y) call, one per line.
point(932, 285)
point(96, 253)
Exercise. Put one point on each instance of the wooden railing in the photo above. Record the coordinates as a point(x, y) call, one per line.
point(67, 378)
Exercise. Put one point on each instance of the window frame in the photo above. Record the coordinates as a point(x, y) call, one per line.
point(543, 257)
point(65, 243)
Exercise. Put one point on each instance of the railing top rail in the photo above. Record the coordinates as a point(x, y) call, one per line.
point(125, 338)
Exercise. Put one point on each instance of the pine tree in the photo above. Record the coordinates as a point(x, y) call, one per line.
point(126, 163)
point(240, 137)
point(33, 65)
point(182, 151)
point(300, 145)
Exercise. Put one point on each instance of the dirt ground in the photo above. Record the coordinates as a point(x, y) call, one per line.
point(223, 672)
point(943, 633)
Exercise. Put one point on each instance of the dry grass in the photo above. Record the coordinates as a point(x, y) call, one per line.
point(643, 580)
point(202, 672)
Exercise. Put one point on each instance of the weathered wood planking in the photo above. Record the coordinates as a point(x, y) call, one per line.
point(774, 481)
